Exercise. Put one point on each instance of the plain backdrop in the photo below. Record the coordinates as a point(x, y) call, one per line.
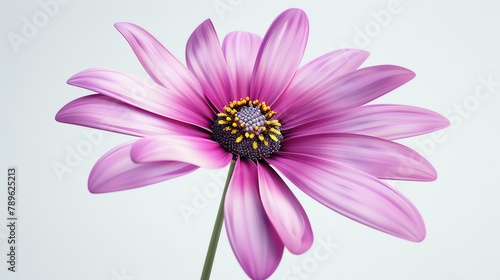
point(65, 232)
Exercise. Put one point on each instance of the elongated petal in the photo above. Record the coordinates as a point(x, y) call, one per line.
point(197, 151)
point(164, 68)
point(103, 112)
point(255, 243)
point(116, 171)
point(205, 59)
point(279, 55)
point(352, 193)
point(284, 210)
point(385, 121)
point(378, 157)
point(350, 90)
point(240, 50)
point(312, 77)
point(139, 93)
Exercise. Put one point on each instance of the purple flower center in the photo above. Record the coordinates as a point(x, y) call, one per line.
point(247, 129)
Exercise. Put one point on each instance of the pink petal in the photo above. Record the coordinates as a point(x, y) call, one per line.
point(312, 77)
point(194, 150)
point(255, 243)
point(116, 171)
point(205, 59)
point(103, 112)
point(164, 68)
point(347, 91)
point(240, 50)
point(284, 210)
point(385, 121)
point(378, 157)
point(279, 55)
point(139, 93)
point(352, 193)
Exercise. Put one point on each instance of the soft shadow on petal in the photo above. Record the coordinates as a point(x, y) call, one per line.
point(381, 158)
point(255, 243)
point(310, 78)
point(240, 50)
point(385, 121)
point(164, 68)
point(205, 59)
point(115, 171)
point(194, 150)
point(103, 112)
point(350, 90)
point(284, 210)
point(279, 56)
point(352, 193)
point(139, 93)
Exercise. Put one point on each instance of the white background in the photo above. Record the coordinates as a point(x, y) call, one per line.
point(64, 232)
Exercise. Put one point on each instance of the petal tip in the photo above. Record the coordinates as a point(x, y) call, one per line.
point(122, 25)
point(126, 28)
point(73, 80)
point(417, 231)
point(91, 184)
point(305, 244)
point(409, 74)
point(426, 172)
point(444, 122)
point(418, 236)
point(364, 54)
point(401, 72)
point(294, 12)
point(92, 189)
point(59, 115)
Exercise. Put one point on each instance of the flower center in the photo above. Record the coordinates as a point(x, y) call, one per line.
point(247, 129)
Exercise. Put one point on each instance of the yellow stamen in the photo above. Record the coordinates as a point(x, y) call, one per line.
point(276, 123)
point(275, 131)
point(255, 145)
point(261, 137)
point(239, 139)
point(272, 136)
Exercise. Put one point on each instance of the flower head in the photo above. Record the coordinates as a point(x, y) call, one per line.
point(248, 99)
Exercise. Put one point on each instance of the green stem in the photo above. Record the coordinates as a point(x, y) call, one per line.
point(214, 240)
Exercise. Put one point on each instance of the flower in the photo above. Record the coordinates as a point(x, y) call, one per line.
point(249, 100)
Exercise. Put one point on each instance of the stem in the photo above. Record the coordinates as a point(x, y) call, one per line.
point(214, 240)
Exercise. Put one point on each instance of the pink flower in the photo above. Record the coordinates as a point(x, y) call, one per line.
point(248, 100)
